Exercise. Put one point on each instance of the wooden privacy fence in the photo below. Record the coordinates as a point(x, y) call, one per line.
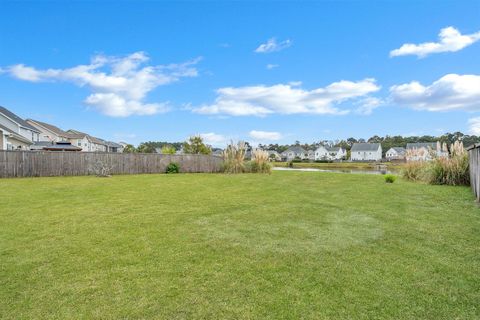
point(45, 163)
point(474, 158)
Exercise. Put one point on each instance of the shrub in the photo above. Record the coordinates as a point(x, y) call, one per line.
point(290, 164)
point(172, 167)
point(390, 178)
point(234, 158)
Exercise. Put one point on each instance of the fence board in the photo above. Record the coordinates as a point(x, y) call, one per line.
point(48, 163)
point(474, 156)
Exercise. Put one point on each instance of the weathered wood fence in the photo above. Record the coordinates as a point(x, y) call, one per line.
point(474, 156)
point(48, 163)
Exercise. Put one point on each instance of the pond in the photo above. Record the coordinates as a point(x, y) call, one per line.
point(338, 170)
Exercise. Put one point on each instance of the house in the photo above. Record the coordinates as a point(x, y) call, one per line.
point(396, 153)
point(424, 151)
point(321, 153)
point(311, 155)
point(274, 155)
point(87, 142)
point(294, 152)
point(114, 147)
point(337, 153)
point(49, 132)
point(366, 152)
point(16, 133)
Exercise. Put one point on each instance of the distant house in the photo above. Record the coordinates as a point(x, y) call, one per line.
point(87, 142)
point(16, 133)
point(311, 155)
point(294, 152)
point(274, 155)
point(217, 152)
point(396, 153)
point(114, 147)
point(424, 151)
point(366, 152)
point(337, 153)
point(49, 132)
point(321, 153)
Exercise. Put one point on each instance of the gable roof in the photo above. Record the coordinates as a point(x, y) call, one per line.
point(334, 149)
point(399, 150)
point(80, 135)
point(365, 146)
point(50, 127)
point(295, 149)
point(17, 119)
point(15, 135)
point(418, 145)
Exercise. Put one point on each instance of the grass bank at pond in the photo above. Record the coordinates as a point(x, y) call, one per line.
point(340, 165)
point(286, 245)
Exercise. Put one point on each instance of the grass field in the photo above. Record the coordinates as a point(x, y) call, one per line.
point(340, 165)
point(288, 245)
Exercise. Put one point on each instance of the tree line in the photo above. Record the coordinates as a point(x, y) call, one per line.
point(195, 144)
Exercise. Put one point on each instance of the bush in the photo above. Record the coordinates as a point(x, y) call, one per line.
point(172, 168)
point(390, 178)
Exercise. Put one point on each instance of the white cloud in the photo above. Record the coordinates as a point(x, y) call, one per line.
point(368, 104)
point(214, 139)
point(451, 92)
point(119, 85)
point(272, 45)
point(271, 66)
point(450, 40)
point(474, 126)
point(265, 135)
point(263, 100)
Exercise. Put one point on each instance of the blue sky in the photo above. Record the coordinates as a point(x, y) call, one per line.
point(162, 71)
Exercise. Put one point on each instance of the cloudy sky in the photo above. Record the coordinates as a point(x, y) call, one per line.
point(260, 71)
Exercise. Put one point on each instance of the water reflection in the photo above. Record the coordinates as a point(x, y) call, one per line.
point(338, 170)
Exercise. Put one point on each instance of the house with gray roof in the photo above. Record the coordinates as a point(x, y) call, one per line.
point(294, 152)
point(49, 132)
point(366, 152)
point(16, 133)
point(395, 153)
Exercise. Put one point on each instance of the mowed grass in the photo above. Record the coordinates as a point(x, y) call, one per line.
point(289, 245)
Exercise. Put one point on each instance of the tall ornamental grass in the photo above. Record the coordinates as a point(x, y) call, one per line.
point(234, 158)
point(452, 170)
point(260, 162)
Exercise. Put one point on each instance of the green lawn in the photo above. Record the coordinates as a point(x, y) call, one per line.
point(288, 245)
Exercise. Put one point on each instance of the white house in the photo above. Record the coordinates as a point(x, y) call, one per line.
point(424, 151)
point(366, 152)
point(16, 133)
point(294, 152)
point(337, 153)
point(311, 155)
point(396, 153)
point(321, 153)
